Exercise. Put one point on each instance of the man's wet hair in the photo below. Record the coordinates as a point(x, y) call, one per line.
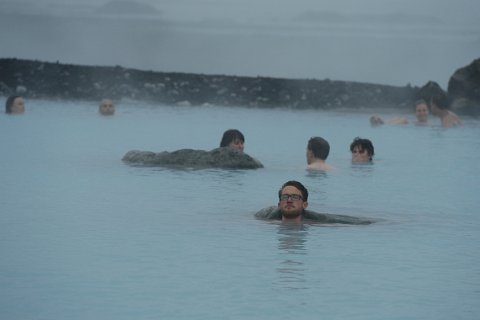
point(319, 147)
point(231, 135)
point(440, 100)
point(363, 144)
point(297, 185)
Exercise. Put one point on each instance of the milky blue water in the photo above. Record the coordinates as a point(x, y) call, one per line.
point(85, 236)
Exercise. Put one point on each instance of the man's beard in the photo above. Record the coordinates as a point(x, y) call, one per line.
point(291, 214)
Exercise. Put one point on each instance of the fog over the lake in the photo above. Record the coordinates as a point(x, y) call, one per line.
point(377, 41)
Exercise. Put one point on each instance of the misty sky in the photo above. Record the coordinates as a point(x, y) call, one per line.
point(379, 41)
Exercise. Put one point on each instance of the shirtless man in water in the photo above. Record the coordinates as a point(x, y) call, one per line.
point(439, 105)
point(292, 208)
point(317, 152)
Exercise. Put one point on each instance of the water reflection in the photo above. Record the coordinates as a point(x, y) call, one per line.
point(291, 245)
point(362, 169)
point(318, 174)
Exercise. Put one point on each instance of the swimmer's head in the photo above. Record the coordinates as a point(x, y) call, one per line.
point(234, 139)
point(362, 150)
point(292, 183)
point(106, 107)
point(319, 147)
point(439, 102)
point(15, 105)
point(421, 111)
point(292, 200)
point(376, 121)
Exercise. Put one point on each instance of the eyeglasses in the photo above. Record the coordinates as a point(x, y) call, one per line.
point(294, 197)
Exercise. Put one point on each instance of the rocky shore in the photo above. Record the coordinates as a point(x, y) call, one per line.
point(37, 79)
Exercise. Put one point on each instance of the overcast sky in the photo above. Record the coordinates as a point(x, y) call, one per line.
point(379, 41)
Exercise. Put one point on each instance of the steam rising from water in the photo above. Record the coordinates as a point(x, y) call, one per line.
point(379, 42)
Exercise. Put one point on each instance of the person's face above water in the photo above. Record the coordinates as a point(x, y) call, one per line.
point(237, 144)
point(106, 107)
point(291, 202)
point(360, 155)
point(421, 112)
point(18, 105)
point(376, 121)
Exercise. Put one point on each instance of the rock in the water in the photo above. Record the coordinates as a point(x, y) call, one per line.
point(225, 158)
point(464, 89)
point(430, 89)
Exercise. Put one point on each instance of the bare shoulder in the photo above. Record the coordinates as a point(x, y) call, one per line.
point(451, 120)
point(320, 166)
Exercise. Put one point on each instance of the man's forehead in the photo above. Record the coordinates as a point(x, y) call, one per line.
point(290, 189)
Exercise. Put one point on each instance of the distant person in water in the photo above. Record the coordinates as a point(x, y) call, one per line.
point(439, 105)
point(376, 121)
point(15, 105)
point(234, 139)
point(317, 153)
point(421, 112)
point(106, 107)
point(292, 208)
point(362, 150)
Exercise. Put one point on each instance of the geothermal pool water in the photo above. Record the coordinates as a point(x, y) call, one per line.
point(85, 236)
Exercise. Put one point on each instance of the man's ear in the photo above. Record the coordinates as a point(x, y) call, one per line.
point(305, 205)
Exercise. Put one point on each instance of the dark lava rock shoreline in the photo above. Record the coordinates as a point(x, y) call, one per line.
point(37, 79)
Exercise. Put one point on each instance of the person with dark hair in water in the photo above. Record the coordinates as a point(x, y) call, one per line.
point(362, 150)
point(234, 139)
point(292, 208)
point(439, 104)
point(317, 152)
point(15, 105)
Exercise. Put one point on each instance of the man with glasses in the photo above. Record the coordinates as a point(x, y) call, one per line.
point(292, 205)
